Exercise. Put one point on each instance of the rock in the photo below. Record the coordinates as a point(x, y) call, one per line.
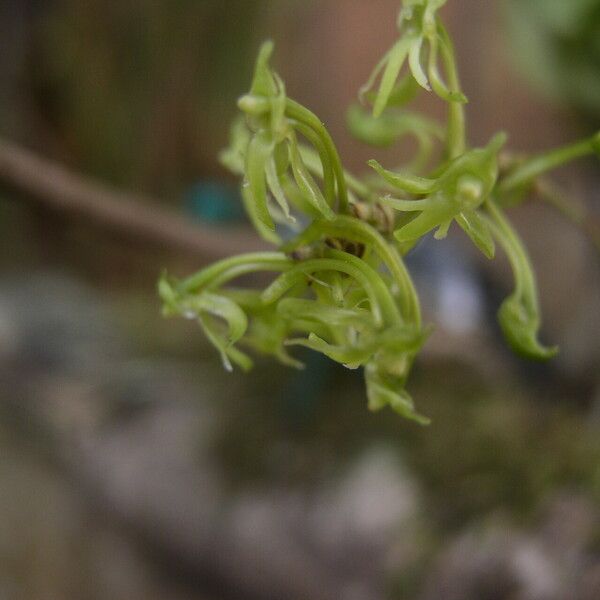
point(497, 561)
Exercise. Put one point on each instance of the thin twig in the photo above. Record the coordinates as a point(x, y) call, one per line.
point(137, 217)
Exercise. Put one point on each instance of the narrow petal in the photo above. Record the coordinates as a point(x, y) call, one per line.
point(413, 184)
point(476, 228)
point(442, 232)
point(259, 151)
point(435, 78)
point(381, 395)
point(414, 60)
point(351, 356)
point(277, 190)
point(393, 67)
point(307, 184)
point(263, 83)
point(424, 223)
point(520, 330)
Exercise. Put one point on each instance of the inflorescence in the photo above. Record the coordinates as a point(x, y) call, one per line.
point(340, 285)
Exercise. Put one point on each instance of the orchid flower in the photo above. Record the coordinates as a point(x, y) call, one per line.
point(359, 231)
point(421, 32)
point(519, 315)
point(267, 152)
point(208, 308)
point(457, 194)
point(340, 286)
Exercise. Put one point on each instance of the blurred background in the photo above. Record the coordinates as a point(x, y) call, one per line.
point(133, 467)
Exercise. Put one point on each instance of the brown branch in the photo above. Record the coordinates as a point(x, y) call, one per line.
point(137, 217)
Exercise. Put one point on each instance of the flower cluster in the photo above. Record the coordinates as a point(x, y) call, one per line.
point(339, 282)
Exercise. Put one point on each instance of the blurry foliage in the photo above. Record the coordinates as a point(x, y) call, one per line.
point(557, 42)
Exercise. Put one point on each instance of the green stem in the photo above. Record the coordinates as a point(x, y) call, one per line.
point(519, 315)
point(456, 140)
point(538, 165)
point(236, 266)
point(526, 287)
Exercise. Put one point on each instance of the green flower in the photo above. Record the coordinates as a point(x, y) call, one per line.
point(340, 287)
point(350, 228)
point(519, 314)
point(421, 34)
point(383, 390)
point(381, 302)
point(267, 152)
point(456, 194)
point(223, 321)
point(520, 323)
